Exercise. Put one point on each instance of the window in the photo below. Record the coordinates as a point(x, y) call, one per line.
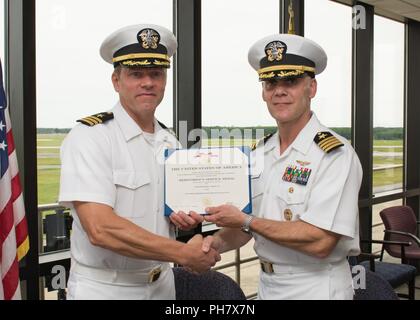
point(332, 104)
point(72, 79)
point(388, 106)
point(231, 92)
point(72, 82)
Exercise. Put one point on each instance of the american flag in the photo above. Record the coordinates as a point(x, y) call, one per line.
point(14, 241)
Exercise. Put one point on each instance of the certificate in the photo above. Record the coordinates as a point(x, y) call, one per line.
point(199, 178)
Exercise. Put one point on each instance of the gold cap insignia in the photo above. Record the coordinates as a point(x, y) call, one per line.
point(149, 38)
point(275, 50)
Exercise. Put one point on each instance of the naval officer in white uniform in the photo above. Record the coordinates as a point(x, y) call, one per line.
point(305, 184)
point(112, 179)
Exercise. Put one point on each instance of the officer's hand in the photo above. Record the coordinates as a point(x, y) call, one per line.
point(196, 259)
point(210, 242)
point(225, 216)
point(184, 221)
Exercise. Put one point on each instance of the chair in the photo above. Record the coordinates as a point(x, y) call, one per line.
point(394, 273)
point(401, 225)
point(211, 285)
point(376, 288)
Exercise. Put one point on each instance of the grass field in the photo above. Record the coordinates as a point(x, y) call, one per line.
point(49, 173)
point(380, 143)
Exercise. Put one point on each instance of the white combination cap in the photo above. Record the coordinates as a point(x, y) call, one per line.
point(281, 56)
point(142, 45)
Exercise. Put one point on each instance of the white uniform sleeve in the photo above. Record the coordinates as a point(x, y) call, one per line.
point(86, 167)
point(333, 202)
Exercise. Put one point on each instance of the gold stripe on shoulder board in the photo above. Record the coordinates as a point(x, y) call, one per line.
point(97, 119)
point(327, 142)
point(86, 121)
point(93, 119)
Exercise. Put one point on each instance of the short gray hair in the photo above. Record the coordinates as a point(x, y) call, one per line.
point(117, 69)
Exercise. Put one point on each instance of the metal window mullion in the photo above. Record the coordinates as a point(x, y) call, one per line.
point(412, 114)
point(21, 84)
point(187, 72)
point(362, 115)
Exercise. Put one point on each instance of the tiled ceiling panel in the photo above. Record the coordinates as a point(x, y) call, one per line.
point(405, 8)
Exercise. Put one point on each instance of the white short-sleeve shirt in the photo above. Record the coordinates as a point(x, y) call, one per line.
point(329, 200)
point(115, 164)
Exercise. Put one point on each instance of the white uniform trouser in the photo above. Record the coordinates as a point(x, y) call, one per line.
point(326, 282)
point(82, 288)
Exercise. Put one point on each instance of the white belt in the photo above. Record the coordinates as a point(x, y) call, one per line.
point(122, 277)
point(269, 267)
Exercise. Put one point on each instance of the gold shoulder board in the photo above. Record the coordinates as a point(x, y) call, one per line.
point(262, 141)
point(167, 129)
point(327, 142)
point(97, 119)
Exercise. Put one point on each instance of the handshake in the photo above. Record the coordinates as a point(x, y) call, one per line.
point(200, 254)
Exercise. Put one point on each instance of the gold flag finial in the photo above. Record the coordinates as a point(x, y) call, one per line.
point(291, 19)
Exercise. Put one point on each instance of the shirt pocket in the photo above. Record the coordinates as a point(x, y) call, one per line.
point(292, 197)
point(257, 188)
point(132, 189)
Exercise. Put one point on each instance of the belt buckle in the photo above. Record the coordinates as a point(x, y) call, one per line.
point(267, 267)
point(154, 274)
